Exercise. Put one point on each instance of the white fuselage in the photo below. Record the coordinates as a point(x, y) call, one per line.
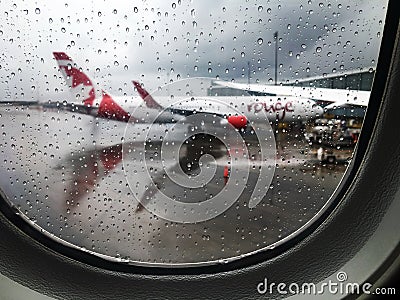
point(281, 109)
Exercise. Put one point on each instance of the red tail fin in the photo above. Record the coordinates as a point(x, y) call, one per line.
point(77, 81)
point(80, 84)
point(147, 98)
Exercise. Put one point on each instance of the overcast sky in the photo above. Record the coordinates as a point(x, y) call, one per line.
point(160, 41)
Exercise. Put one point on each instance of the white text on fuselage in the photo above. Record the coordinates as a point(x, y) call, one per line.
point(278, 108)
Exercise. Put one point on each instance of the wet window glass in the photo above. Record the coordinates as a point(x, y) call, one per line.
point(180, 132)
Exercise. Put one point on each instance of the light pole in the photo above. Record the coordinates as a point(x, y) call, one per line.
point(248, 72)
point(276, 57)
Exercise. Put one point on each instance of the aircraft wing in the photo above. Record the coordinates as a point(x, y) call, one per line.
point(338, 96)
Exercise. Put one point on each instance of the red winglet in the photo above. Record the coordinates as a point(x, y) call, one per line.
point(147, 98)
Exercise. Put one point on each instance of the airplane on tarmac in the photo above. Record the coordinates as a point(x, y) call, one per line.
point(276, 108)
point(287, 109)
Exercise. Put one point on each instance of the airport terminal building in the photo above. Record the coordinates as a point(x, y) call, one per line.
point(360, 79)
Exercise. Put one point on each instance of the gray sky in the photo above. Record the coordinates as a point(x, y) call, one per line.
point(159, 41)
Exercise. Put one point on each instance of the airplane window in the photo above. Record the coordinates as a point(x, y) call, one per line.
point(180, 133)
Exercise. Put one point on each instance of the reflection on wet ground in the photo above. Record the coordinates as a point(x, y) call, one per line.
point(57, 174)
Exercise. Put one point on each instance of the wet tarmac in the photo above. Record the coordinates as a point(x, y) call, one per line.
point(67, 174)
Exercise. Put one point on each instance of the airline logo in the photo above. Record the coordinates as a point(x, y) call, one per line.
point(78, 82)
point(278, 108)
